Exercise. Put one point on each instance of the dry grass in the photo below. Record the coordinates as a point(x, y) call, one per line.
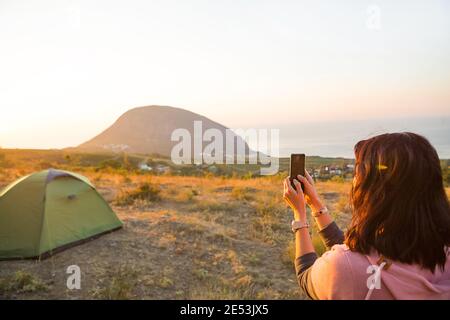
point(183, 237)
point(21, 282)
point(146, 192)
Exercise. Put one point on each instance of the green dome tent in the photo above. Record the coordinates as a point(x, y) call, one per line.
point(48, 211)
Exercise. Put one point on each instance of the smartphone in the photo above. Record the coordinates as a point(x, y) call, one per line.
point(297, 166)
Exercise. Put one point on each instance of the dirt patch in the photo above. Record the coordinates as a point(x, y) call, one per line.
point(208, 244)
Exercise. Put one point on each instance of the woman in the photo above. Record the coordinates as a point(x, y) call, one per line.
point(397, 244)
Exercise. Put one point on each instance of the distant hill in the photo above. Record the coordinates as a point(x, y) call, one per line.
point(148, 130)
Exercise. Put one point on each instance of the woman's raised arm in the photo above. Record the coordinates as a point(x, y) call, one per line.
point(328, 229)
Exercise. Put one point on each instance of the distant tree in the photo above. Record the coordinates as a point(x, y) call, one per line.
point(126, 161)
point(111, 163)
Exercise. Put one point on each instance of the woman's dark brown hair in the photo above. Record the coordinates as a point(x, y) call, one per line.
point(399, 204)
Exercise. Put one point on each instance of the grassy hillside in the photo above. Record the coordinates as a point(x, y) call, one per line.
point(199, 236)
point(183, 237)
point(32, 160)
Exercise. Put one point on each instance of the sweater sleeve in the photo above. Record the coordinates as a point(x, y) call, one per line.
point(330, 235)
point(303, 271)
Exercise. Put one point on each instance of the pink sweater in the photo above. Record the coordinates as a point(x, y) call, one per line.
point(343, 274)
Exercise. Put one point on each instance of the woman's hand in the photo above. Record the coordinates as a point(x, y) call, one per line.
point(295, 198)
point(311, 196)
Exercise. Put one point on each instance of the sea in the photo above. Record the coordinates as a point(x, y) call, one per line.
point(337, 138)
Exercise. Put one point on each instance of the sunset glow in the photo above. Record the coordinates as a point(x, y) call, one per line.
point(70, 68)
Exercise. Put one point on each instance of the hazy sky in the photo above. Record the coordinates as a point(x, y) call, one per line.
point(68, 69)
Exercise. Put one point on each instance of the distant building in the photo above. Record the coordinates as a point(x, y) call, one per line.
point(162, 169)
point(144, 167)
point(334, 170)
point(213, 169)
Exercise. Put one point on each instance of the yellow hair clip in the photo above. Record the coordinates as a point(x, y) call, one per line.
point(381, 167)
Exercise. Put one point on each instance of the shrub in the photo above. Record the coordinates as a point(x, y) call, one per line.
point(165, 282)
point(338, 179)
point(200, 274)
point(121, 285)
point(240, 193)
point(114, 164)
point(145, 192)
point(187, 195)
point(22, 282)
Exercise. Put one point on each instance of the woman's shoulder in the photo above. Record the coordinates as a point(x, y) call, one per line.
point(338, 272)
point(336, 253)
point(340, 257)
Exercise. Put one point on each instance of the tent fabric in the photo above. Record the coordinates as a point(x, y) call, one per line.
point(49, 210)
point(53, 174)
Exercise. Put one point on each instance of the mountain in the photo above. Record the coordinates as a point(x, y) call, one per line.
point(148, 130)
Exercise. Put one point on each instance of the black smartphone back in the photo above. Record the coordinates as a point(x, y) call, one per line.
point(297, 167)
